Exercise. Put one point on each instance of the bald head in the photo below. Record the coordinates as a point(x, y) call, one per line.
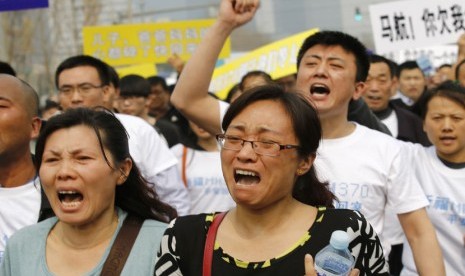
point(26, 95)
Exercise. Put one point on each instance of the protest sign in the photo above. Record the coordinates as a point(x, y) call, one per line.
point(143, 43)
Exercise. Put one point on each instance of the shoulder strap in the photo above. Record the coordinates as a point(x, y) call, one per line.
point(210, 244)
point(184, 157)
point(121, 248)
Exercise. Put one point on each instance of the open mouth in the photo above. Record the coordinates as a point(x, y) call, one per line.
point(243, 177)
point(70, 198)
point(319, 88)
point(373, 98)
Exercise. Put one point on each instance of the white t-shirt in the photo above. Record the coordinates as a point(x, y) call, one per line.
point(367, 171)
point(205, 182)
point(445, 190)
point(155, 161)
point(19, 207)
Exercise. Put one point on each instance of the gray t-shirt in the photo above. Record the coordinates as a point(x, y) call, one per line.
point(25, 250)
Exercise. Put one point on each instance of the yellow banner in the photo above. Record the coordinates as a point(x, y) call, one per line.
point(144, 70)
point(277, 59)
point(143, 43)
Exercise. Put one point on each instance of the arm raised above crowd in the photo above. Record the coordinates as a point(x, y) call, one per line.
point(191, 93)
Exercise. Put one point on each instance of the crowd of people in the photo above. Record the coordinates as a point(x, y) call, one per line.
point(131, 176)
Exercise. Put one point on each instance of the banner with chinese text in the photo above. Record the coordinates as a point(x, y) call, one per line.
point(143, 43)
point(416, 23)
point(277, 59)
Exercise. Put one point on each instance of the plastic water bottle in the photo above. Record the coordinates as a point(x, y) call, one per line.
point(335, 259)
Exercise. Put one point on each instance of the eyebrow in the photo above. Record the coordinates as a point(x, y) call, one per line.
point(73, 152)
point(79, 84)
point(320, 58)
point(4, 99)
point(260, 129)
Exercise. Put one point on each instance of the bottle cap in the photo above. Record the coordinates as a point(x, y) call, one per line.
point(339, 240)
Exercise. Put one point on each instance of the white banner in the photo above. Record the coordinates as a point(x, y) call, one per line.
point(416, 23)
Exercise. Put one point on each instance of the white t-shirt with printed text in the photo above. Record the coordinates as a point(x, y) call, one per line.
point(445, 190)
point(205, 182)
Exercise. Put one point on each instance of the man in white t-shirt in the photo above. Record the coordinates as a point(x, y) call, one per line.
point(84, 81)
point(20, 193)
point(367, 170)
point(441, 170)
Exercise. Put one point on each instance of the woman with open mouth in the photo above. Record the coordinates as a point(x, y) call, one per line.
point(283, 214)
point(103, 206)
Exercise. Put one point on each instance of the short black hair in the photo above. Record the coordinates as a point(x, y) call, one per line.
point(255, 73)
point(448, 89)
point(408, 65)
point(157, 80)
point(84, 60)
point(380, 59)
point(346, 41)
point(134, 85)
point(5, 68)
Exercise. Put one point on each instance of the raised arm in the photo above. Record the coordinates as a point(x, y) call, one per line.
point(190, 96)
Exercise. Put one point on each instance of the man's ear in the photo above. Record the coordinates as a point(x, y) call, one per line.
point(107, 93)
point(36, 124)
point(360, 88)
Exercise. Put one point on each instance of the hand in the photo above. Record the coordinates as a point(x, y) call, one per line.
point(176, 62)
point(237, 12)
point(310, 268)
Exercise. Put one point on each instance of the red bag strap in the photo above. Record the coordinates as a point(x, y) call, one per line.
point(184, 157)
point(210, 244)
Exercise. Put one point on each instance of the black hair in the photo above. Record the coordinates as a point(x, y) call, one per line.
point(308, 188)
point(113, 76)
point(444, 65)
point(49, 104)
point(134, 85)
point(84, 60)
point(5, 68)
point(255, 73)
point(135, 195)
point(157, 80)
point(346, 41)
point(380, 59)
point(232, 92)
point(408, 65)
point(448, 89)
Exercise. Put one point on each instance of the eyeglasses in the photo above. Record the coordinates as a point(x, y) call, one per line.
point(260, 147)
point(83, 89)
